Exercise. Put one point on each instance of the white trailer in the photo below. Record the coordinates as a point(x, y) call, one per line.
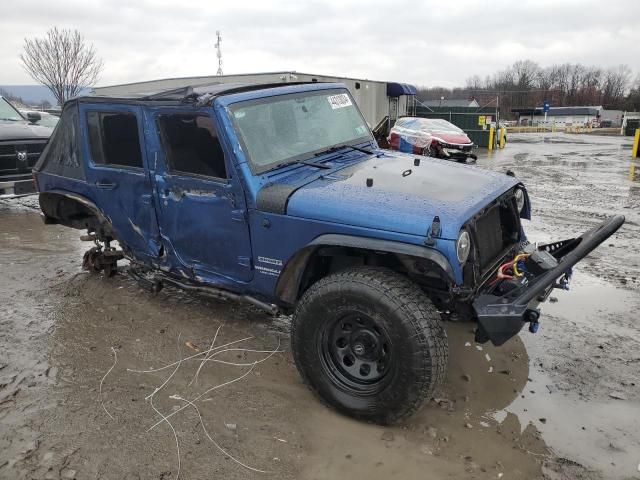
point(379, 101)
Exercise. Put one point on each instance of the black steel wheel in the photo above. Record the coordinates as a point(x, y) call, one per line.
point(370, 343)
point(356, 351)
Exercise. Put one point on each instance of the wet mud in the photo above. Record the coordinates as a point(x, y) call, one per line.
point(564, 403)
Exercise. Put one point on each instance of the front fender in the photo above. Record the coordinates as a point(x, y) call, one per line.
point(288, 286)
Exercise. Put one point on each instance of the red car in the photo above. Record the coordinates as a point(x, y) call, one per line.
point(433, 137)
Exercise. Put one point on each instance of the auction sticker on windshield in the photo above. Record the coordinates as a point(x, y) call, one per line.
point(339, 101)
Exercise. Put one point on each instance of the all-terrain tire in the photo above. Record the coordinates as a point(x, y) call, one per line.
point(386, 313)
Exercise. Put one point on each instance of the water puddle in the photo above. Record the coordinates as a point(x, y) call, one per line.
point(593, 422)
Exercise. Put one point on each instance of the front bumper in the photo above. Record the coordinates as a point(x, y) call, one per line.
point(502, 317)
point(458, 154)
point(15, 187)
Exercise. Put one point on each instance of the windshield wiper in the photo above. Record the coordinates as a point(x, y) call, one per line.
point(324, 152)
point(313, 164)
point(303, 162)
point(341, 147)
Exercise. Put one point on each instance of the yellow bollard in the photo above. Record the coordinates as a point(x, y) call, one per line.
point(636, 141)
point(490, 147)
point(501, 137)
point(632, 172)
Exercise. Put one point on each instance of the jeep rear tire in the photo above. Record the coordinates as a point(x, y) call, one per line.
point(369, 343)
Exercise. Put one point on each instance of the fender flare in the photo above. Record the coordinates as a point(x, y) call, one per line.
point(103, 221)
point(289, 281)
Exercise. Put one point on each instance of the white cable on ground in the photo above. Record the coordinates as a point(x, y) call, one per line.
point(164, 418)
point(115, 360)
point(195, 378)
point(188, 358)
point(224, 452)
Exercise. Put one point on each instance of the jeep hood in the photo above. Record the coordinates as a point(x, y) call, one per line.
point(20, 130)
point(403, 197)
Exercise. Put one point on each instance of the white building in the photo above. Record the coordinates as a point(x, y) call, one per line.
point(561, 117)
point(558, 116)
point(611, 118)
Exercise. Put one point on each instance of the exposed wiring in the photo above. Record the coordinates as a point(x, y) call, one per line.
point(518, 262)
point(516, 265)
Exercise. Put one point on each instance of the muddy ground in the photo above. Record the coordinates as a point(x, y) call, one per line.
point(564, 403)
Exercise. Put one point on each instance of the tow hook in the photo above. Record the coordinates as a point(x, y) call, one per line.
point(563, 282)
point(532, 317)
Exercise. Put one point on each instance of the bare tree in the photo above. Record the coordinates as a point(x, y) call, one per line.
point(525, 73)
point(62, 62)
point(474, 83)
point(526, 84)
point(632, 102)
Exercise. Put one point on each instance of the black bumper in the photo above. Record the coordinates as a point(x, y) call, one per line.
point(502, 317)
point(14, 186)
point(459, 155)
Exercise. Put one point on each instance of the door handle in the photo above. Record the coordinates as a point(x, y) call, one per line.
point(106, 185)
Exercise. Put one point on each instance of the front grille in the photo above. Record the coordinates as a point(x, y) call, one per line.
point(489, 236)
point(19, 156)
point(496, 229)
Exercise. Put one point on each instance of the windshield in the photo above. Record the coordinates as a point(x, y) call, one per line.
point(7, 112)
point(275, 131)
point(47, 120)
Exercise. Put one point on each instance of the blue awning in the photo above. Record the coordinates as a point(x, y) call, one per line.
point(398, 89)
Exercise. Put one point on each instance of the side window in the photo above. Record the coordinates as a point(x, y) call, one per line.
point(114, 139)
point(191, 144)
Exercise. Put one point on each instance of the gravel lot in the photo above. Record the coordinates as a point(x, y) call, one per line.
point(564, 403)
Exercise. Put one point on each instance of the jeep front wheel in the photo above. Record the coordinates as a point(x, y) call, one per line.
point(370, 343)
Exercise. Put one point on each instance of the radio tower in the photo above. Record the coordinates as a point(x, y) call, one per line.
point(219, 52)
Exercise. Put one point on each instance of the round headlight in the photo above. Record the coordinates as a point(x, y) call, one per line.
point(519, 194)
point(463, 246)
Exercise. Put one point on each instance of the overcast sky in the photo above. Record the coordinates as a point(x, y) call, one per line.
point(417, 41)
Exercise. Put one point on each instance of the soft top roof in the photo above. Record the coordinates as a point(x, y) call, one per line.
point(198, 96)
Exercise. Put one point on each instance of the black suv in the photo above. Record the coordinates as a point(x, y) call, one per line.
point(21, 142)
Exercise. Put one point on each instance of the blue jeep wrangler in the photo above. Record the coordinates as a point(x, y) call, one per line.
point(278, 196)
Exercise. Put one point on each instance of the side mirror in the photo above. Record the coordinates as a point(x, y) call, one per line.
point(34, 117)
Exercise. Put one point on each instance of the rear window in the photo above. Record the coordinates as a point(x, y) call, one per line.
point(62, 155)
point(114, 139)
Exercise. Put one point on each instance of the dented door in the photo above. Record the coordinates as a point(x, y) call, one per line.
point(201, 208)
point(117, 174)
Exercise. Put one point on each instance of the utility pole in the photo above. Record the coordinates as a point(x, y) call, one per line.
point(219, 52)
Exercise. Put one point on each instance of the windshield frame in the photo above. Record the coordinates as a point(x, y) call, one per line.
point(260, 169)
point(20, 116)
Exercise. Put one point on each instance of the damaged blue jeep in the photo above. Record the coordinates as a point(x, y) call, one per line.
point(278, 196)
